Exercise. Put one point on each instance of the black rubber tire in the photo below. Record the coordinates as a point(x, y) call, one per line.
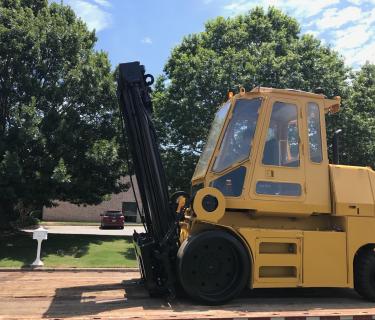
point(364, 274)
point(213, 267)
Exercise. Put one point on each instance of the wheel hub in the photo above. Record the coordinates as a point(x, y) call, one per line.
point(213, 266)
point(210, 265)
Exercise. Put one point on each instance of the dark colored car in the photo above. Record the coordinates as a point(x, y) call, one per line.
point(112, 219)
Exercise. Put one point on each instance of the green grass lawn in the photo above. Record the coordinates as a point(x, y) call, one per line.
point(60, 250)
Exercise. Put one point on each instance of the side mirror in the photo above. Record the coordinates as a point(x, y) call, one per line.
point(102, 214)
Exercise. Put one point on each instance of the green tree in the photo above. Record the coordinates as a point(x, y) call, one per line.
point(259, 48)
point(357, 120)
point(58, 117)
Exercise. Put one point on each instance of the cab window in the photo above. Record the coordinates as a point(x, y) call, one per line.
point(213, 136)
point(238, 137)
point(278, 188)
point(314, 132)
point(282, 142)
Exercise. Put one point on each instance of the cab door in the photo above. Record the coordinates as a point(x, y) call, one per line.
point(278, 181)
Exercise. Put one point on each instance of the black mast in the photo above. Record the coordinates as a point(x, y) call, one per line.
point(157, 248)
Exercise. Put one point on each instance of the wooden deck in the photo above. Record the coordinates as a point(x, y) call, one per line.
point(117, 295)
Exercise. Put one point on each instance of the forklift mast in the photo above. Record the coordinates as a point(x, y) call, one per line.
point(156, 249)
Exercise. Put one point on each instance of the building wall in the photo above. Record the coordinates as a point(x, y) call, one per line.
point(66, 211)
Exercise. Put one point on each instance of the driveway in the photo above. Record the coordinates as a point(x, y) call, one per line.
point(93, 230)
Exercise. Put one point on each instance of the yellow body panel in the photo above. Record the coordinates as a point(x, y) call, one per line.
point(284, 269)
point(304, 240)
point(352, 190)
point(324, 259)
point(360, 233)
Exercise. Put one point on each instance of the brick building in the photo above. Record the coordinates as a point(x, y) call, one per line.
point(124, 201)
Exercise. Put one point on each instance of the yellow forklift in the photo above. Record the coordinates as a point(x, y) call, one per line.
point(266, 209)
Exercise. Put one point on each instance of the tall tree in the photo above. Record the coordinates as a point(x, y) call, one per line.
point(258, 48)
point(357, 120)
point(58, 137)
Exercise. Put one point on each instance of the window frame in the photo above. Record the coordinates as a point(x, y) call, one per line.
point(307, 133)
point(223, 133)
point(217, 143)
point(263, 172)
point(300, 129)
point(242, 171)
point(280, 183)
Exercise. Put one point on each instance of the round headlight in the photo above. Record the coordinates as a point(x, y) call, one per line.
point(210, 203)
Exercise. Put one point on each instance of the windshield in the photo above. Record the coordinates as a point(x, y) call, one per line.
point(113, 213)
point(213, 136)
point(238, 138)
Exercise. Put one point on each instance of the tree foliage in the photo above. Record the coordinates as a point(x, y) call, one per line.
point(356, 119)
point(58, 139)
point(258, 48)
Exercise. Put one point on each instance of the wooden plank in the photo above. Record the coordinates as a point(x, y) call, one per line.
point(116, 295)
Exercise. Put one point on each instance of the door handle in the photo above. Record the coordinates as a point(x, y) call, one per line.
point(270, 173)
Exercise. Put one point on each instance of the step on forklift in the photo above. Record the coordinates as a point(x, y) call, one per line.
point(266, 209)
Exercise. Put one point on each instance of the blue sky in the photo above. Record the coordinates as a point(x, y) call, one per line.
point(147, 30)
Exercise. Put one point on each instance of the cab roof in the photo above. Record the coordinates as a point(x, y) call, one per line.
point(289, 92)
point(330, 105)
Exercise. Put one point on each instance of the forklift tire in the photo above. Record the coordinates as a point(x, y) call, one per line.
point(364, 274)
point(213, 267)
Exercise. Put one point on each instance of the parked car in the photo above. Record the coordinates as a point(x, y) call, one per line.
point(112, 219)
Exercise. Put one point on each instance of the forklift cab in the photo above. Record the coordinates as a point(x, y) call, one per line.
point(265, 149)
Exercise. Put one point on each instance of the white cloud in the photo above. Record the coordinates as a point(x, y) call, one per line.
point(333, 18)
point(307, 8)
point(357, 56)
point(238, 7)
point(357, 42)
point(95, 17)
point(104, 3)
point(312, 32)
point(361, 2)
point(146, 40)
point(352, 37)
point(356, 2)
point(299, 8)
point(369, 18)
point(347, 27)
